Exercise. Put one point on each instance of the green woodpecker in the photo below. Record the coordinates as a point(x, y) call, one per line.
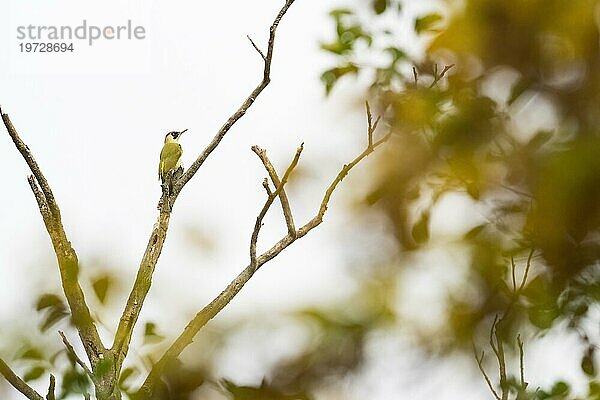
point(170, 156)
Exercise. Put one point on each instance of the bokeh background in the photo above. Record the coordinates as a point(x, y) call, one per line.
point(495, 161)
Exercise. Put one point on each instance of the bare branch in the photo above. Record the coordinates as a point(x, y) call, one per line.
point(76, 358)
point(65, 254)
point(371, 127)
point(219, 302)
point(18, 383)
point(256, 48)
point(243, 108)
point(527, 267)
point(492, 337)
point(143, 279)
point(32, 163)
point(40, 199)
point(285, 204)
point(279, 191)
point(521, 363)
point(51, 387)
point(512, 268)
point(436, 77)
point(265, 184)
point(501, 365)
point(141, 287)
point(485, 375)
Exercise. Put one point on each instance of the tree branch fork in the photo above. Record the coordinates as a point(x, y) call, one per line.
point(98, 355)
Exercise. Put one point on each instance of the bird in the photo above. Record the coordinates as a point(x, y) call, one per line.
point(170, 157)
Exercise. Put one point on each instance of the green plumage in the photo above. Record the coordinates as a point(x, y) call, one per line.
point(170, 159)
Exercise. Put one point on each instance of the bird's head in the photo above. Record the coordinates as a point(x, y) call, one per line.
point(173, 136)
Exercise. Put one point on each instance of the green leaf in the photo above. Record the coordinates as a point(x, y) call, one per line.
point(125, 375)
point(33, 374)
point(74, 381)
point(339, 12)
point(32, 354)
point(101, 286)
point(420, 231)
point(560, 389)
point(48, 300)
point(587, 363)
point(52, 317)
point(330, 77)
point(379, 6)
point(542, 316)
point(150, 335)
point(338, 47)
point(427, 23)
point(593, 390)
point(396, 53)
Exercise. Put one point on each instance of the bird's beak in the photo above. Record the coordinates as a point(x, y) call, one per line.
point(182, 132)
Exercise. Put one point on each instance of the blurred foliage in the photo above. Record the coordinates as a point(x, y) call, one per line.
point(500, 107)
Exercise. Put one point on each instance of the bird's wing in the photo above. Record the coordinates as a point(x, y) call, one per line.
point(169, 156)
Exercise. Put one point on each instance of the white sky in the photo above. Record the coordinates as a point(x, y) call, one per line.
point(95, 119)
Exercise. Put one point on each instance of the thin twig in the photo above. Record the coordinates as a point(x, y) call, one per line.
point(492, 330)
point(18, 383)
point(501, 365)
point(527, 267)
point(279, 191)
point(51, 387)
point(371, 127)
point(265, 184)
point(436, 77)
point(283, 198)
point(76, 358)
point(256, 48)
point(485, 375)
point(512, 268)
point(521, 363)
point(32, 163)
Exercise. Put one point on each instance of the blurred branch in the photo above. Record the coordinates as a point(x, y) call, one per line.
point(521, 364)
point(495, 339)
point(51, 387)
point(65, 254)
point(498, 349)
point(526, 274)
point(219, 302)
point(485, 375)
point(76, 358)
point(143, 279)
point(372, 127)
point(437, 77)
point(18, 383)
